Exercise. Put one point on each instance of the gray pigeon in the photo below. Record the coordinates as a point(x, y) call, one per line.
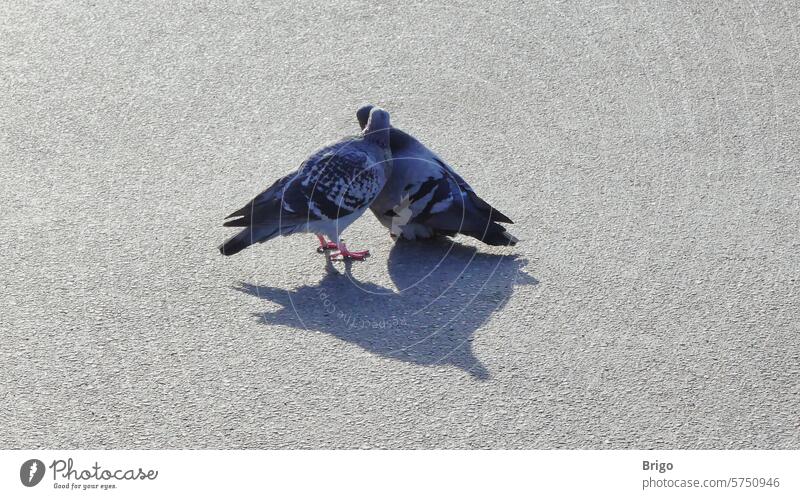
point(424, 197)
point(331, 189)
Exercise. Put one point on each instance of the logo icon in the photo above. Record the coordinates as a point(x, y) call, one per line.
point(31, 472)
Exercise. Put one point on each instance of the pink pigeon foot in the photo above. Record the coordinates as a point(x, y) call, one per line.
point(345, 254)
point(325, 245)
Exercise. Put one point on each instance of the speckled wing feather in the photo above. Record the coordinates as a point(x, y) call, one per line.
point(333, 183)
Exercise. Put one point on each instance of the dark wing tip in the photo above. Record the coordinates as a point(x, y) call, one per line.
point(239, 222)
point(244, 210)
point(493, 213)
point(499, 217)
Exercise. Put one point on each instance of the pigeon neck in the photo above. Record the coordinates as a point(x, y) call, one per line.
point(379, 137)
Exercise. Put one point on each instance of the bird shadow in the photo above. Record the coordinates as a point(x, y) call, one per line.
point(445, 292)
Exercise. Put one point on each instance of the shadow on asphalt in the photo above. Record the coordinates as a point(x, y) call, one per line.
point(445, 292)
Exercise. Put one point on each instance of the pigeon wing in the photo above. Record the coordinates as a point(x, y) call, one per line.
point(462, 197)
point(460, 188)
point(318, 191)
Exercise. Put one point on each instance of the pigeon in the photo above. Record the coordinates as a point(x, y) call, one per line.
point(330, 190)
point(424, 197)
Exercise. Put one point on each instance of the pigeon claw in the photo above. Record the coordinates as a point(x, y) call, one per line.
point(326, 247)
point(350, 255)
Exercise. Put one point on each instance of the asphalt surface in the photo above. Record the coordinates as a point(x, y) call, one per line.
point(648, 154)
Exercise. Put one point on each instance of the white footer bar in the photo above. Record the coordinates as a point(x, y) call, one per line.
point(380, 474)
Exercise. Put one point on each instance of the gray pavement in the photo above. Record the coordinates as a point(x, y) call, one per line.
point(648, 152)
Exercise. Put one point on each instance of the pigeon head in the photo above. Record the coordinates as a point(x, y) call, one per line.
point(363, 115)
point(377, 127)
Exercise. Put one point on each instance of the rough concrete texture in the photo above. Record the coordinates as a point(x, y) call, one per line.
point(648, 152)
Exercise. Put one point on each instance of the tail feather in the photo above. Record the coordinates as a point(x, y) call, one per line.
point(245, 238)
point(239, 222)
point(487, 210)
point(494, 235)
point(481, 225)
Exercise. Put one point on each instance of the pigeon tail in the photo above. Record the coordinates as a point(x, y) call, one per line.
point(487, 210)
point(494, 235)
point(247, 237)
